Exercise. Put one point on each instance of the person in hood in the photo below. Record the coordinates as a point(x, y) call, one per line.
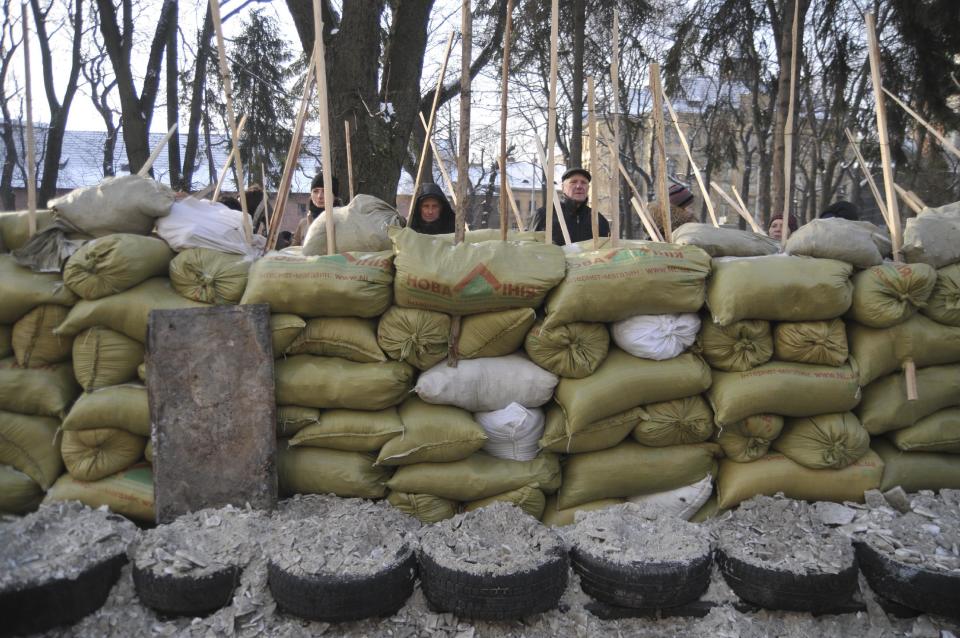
point(576, 212)
point(432, 213)
point(318, 195)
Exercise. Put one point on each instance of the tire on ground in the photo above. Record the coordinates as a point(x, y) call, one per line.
point(184, 595)
point(926, 590)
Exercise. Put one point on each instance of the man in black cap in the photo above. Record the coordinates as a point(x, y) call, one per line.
point(317, 200)
point(576, 212)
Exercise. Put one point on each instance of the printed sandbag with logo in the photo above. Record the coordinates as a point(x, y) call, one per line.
point(943, 306)
point(889, 294)
point(740, 346)
point(470, 278)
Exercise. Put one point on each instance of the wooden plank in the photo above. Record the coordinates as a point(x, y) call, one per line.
point(326, 142)
point(788, 132)
point(940, 138)
point(30, 141)
point(735, 207)
point(743, 207)
point(615, 91)
point(550, 158)
point(504, 95)
point(870, 181)
point(696, 171)
point(594, 166)
point(145, 169)
point(910, 199)
point(660, 153)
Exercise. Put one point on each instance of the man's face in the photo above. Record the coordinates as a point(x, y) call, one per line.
point(776, 229)
point(430, 209)
point(316, 196)
point(576, 187)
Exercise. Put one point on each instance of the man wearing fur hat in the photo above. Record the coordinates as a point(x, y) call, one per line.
point(681, 208)
point(317, 202)
point(576, 212)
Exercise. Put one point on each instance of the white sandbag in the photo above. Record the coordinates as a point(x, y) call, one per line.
point(682, 502)
point(490, 383)
point(122, 204)
point(931, 236)
point(656, 337)
point(859, 243)
point(200, 223)
point(360, 226)
point(513, 432)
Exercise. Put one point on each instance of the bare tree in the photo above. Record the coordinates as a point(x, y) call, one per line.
point(100, 83)
point(9, 41)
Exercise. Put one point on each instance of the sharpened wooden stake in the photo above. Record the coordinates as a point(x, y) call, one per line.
point(145, 169)
point(30, 141)
point(910, 199)
point(226, 165)
point(549, 161)
point(735, 207)
point(505, 76)
point(443, 165)
point(660, 153)
point(910, 375)
point(615, 90)
point(645, 220)
point(788, 132)
point(946, 143)
point(346, 137)
point(870, 181)
point(326, 143)
point(594, 160)
point(696, 171)
point(508, 192)
point(552, 195)
point(743, 206)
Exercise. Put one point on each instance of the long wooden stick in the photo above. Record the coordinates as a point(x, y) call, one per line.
point(550, 174)
point(31, 144)
point(660, 153)
point(735, 207)
point(910, 199)
point(548, 162)
point(326, 142)
point(696, 171)
point(866, 174)
point(226, 165)
point(594, 160)
point(946, 143)
point(346, 137)
point(893, 211)
point(645, 220)
point(615, 91)
point(466, 96)
point(266, 198)
point(145, 169)
point(505, 77)
point(506, 191)
point(743, 206)
point(438, 160)
point(788, 131)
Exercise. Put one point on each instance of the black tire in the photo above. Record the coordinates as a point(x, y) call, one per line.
point(494, 597)
point(653, 585)
point(697, 609)
point(340, 599)
point(59, 602)
point(776, 589)
point(925, 590)
point(185, 595)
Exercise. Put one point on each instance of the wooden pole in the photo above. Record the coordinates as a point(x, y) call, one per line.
point(736, 208)
point(466, 95)
point(910, 199)
point(231, 117)
point(696, 171)
point(443, 165)
point(645, 220)
point(660, 153)
point(346, 134)
point(505, 76)
point(552, 194)
point(145, 169)
point(788, 131)
point(893, 210)
point(866, 174)
point(549, 161)
point(320, 69)
point(226, 165)
point(743, 206)
point(508, 192)
point(946, 143)
point(594, 163)
point(615, 91)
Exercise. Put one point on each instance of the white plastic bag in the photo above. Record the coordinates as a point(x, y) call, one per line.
point(513, 432)
point(656, 337)
point(490, 383)
point(682, 502)
point(200, 223)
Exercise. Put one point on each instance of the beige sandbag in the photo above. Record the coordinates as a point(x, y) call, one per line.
point(90, 455)
point(6, 341)
point(724, 242)
point(886, 295)
point(623, 382)
point(640, 278)
point(142, 372)
point(126, 312)
point(350, 430)
point(284, 328)
point(778, 288)
point(313, 470)
point(122, 407)
point(776, 473)
point(328, 382)
point(46, 391)
point(347, 285)
point(676, 422)
point(122, 204)
point(102, 357)
point(427, 508)
point(494, 334)
point(477, 476)
point(34, 344)
point(22, 290)
point(15, 227)
point(29, 444)
point(470, 278)
point(930, 237)
point(630, 469)
point(880, 351)
point(19, 493)
point(349, 338)
point(129, 492)
point(939, 432)
point(915, 471)
point(555, 517)
point(825, 441)
point(418, 337)
point(432, 434)
point(788, 389)
point(558, 436)
point(112, 264)
point(482, 385)
point(148, 452)
point(493, 234)
point(293, 418)
point(529, 499)
point(750, 439)
point(361, 225)
point(816, 342)
point(858, 243)
point(574, 351)
point(885, 407)
point(943, 306)
point(210, 276)
point(740, 346)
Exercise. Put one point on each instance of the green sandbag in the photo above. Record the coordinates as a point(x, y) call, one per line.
point(470, 278)
point(121, 204)
point(432, 434)
point(774, 473)
point(126, 312)
point(293, 418)
point(939, 432)
point(631, 469)
point(640, 278)
point(816, 342)
point(888, 294)
point(284, 329)
point(778, 288)
point(915, 471)
point(750, 439)
point(90, 455)
point(6, 341)
point(112, 264)
point(574, 351)
point(122, 407)
point(349, 338)
point(738, 347)
point(129, 493)
point(347, 285)
point(885, 407)
point(102, 357)
point(493, 234)
point(788, 389)
point(351, 430)
point(327, 382)
point(724, 242)
point(494, 334)
point(880, 351)
point(529, 499)
point(418, 337)
point(825, 441)
point(623, 382)
point(555, 517)
point(22, 290)
point(477, 476)
point(943, 306)
point(29, 444)
point(210, 276)
point(15, 227)
point(427, 508)
point(676, 422)
point(19, 493)
point(313, 470)
point(148, 452)
point(47, 391)
point(588, 437)
point(930, 237)
point(34, 344)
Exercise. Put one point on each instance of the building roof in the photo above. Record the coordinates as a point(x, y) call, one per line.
point(695, 94)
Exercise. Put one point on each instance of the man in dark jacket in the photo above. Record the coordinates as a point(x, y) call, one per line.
point(576, 212)
point(432, 213)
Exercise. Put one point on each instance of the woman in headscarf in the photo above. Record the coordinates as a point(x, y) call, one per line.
point(432, 213)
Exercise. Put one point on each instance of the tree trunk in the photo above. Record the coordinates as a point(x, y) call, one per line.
point(745, 185)
point(173, 106)
point(197, 102)
point(784, 51)
point(576, 100)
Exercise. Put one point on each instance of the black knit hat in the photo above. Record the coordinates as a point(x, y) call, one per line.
point(317, 182)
